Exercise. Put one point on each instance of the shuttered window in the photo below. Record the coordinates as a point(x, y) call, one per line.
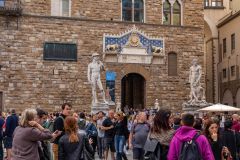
point(172, 64)
point(60, 51)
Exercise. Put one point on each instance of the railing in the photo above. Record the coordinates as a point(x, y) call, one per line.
point(213, 3)
point(10, 7)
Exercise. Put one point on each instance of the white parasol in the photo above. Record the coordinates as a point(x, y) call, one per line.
point(220, 108)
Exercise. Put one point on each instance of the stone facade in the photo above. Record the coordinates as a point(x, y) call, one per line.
point(26, 80)
point(221, 21)
point(230, 83)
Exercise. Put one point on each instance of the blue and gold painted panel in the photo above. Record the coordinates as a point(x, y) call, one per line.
point(133, 38)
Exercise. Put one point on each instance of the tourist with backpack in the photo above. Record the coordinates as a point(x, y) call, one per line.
point(163, 133)
point(188, 144)
point(138, 136)
point(82, 121)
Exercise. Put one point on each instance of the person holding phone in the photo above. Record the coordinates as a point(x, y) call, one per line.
point(211, 131)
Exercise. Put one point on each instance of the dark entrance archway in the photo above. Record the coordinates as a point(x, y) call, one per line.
point(133, 91)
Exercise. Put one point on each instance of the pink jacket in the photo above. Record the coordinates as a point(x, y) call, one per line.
point(185, 133)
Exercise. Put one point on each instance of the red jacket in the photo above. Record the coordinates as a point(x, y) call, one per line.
point(236, 126)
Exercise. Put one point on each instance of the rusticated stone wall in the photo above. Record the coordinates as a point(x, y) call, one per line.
point(27, 80)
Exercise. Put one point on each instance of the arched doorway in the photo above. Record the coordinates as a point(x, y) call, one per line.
point(227, 98)
point(133, 91)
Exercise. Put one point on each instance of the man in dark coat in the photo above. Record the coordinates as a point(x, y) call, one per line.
point(11, 124)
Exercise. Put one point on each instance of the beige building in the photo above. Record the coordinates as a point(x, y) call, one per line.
point(147, 47)
point(222, 35)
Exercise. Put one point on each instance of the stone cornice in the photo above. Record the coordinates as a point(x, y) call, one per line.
point(228, 19)
point(107, 21)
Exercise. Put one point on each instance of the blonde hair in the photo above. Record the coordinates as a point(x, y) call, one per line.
point(27, 115)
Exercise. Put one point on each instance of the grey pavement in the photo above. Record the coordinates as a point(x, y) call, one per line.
point(129, 156)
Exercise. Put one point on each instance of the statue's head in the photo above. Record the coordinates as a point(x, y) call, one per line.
point(195, 61)
point(95, 56)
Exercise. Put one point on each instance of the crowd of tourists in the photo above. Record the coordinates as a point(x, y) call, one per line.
point(149, 134)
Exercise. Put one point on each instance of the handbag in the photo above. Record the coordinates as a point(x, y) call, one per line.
point(150, 144)
point(150, 148)
point(88, 153)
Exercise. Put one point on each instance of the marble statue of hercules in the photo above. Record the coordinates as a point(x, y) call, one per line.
point(194, 80)
point(94, 69)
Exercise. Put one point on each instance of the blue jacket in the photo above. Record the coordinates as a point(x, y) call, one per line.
point(91, 130)
point(11, 124)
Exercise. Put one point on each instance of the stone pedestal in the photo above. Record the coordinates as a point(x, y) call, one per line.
point(192, 108)
point(95, 108)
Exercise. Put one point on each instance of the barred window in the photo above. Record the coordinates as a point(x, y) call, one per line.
point(60, 51)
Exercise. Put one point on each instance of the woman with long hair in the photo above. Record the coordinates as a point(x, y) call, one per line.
point(71, 145)
point(211, 131)
point(162, 131)
point(120, 138)
point(27, 135)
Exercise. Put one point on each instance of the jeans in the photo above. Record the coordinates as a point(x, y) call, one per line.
point(119, 143)
point(1, 150)
point(100, 146)
point(138, 153)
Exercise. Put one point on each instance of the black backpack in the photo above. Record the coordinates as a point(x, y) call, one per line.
point(190, 150)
